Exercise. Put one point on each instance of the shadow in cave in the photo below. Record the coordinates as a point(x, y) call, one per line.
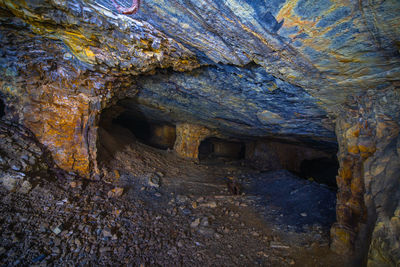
point(287, 200)
point(120, 127)
point(293, 184)
point(291, 202)
point(214, 149)
point(321, 170)
point(2, 108)
point(156, 134)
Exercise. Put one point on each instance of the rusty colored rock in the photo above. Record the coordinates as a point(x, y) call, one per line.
point(351, 211)
point(188, 138)
point(343, 240)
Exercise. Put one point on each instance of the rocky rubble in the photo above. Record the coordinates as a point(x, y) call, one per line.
point(132, 219)
point(21, 157)
point(57, 225)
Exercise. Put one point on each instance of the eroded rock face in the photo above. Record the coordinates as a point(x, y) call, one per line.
point(59, 92)
point(241, 68)
point(327, 47)
point(238, 101)
point(368, 180)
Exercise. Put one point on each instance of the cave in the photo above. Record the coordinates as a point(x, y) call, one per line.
point(183, 133)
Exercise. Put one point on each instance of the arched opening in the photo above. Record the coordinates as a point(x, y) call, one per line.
point(123, 125)
point(156, 134)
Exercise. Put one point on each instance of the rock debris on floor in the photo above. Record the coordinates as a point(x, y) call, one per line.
point(157, 211)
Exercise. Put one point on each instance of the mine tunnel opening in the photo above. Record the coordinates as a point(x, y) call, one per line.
point(160, 135)
point(213, 148)
point(286, 177)
point(124, 124)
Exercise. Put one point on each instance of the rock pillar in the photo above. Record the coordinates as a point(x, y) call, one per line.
point(368, 206)
point(188, 139)
point(356, 144)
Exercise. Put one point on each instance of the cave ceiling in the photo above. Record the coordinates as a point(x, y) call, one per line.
point(247, 68)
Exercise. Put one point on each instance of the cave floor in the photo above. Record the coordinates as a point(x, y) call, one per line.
point(153, 208)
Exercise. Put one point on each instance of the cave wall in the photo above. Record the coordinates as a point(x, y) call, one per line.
point(368, 180)
point(53, 72)
point(248, 60)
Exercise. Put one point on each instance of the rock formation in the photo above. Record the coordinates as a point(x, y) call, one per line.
point(289, 69)
point(188, 140)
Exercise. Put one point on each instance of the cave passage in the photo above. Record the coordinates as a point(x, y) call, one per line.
point(159, 135)
point(219, 148)
point(124, 123)
point(313, 163)
point(285, 177)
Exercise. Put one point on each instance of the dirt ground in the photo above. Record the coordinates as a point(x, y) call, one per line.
point(152, 208)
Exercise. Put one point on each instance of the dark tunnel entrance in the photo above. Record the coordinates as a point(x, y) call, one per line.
point(156, 134)
point(318, 164)
point(315, 164)
point(320, 170)
point(212, 148)
point(123, 125)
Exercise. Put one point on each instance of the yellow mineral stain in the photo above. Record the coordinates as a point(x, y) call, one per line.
point(353, 149)
point(318, 42)
point(116, 174)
